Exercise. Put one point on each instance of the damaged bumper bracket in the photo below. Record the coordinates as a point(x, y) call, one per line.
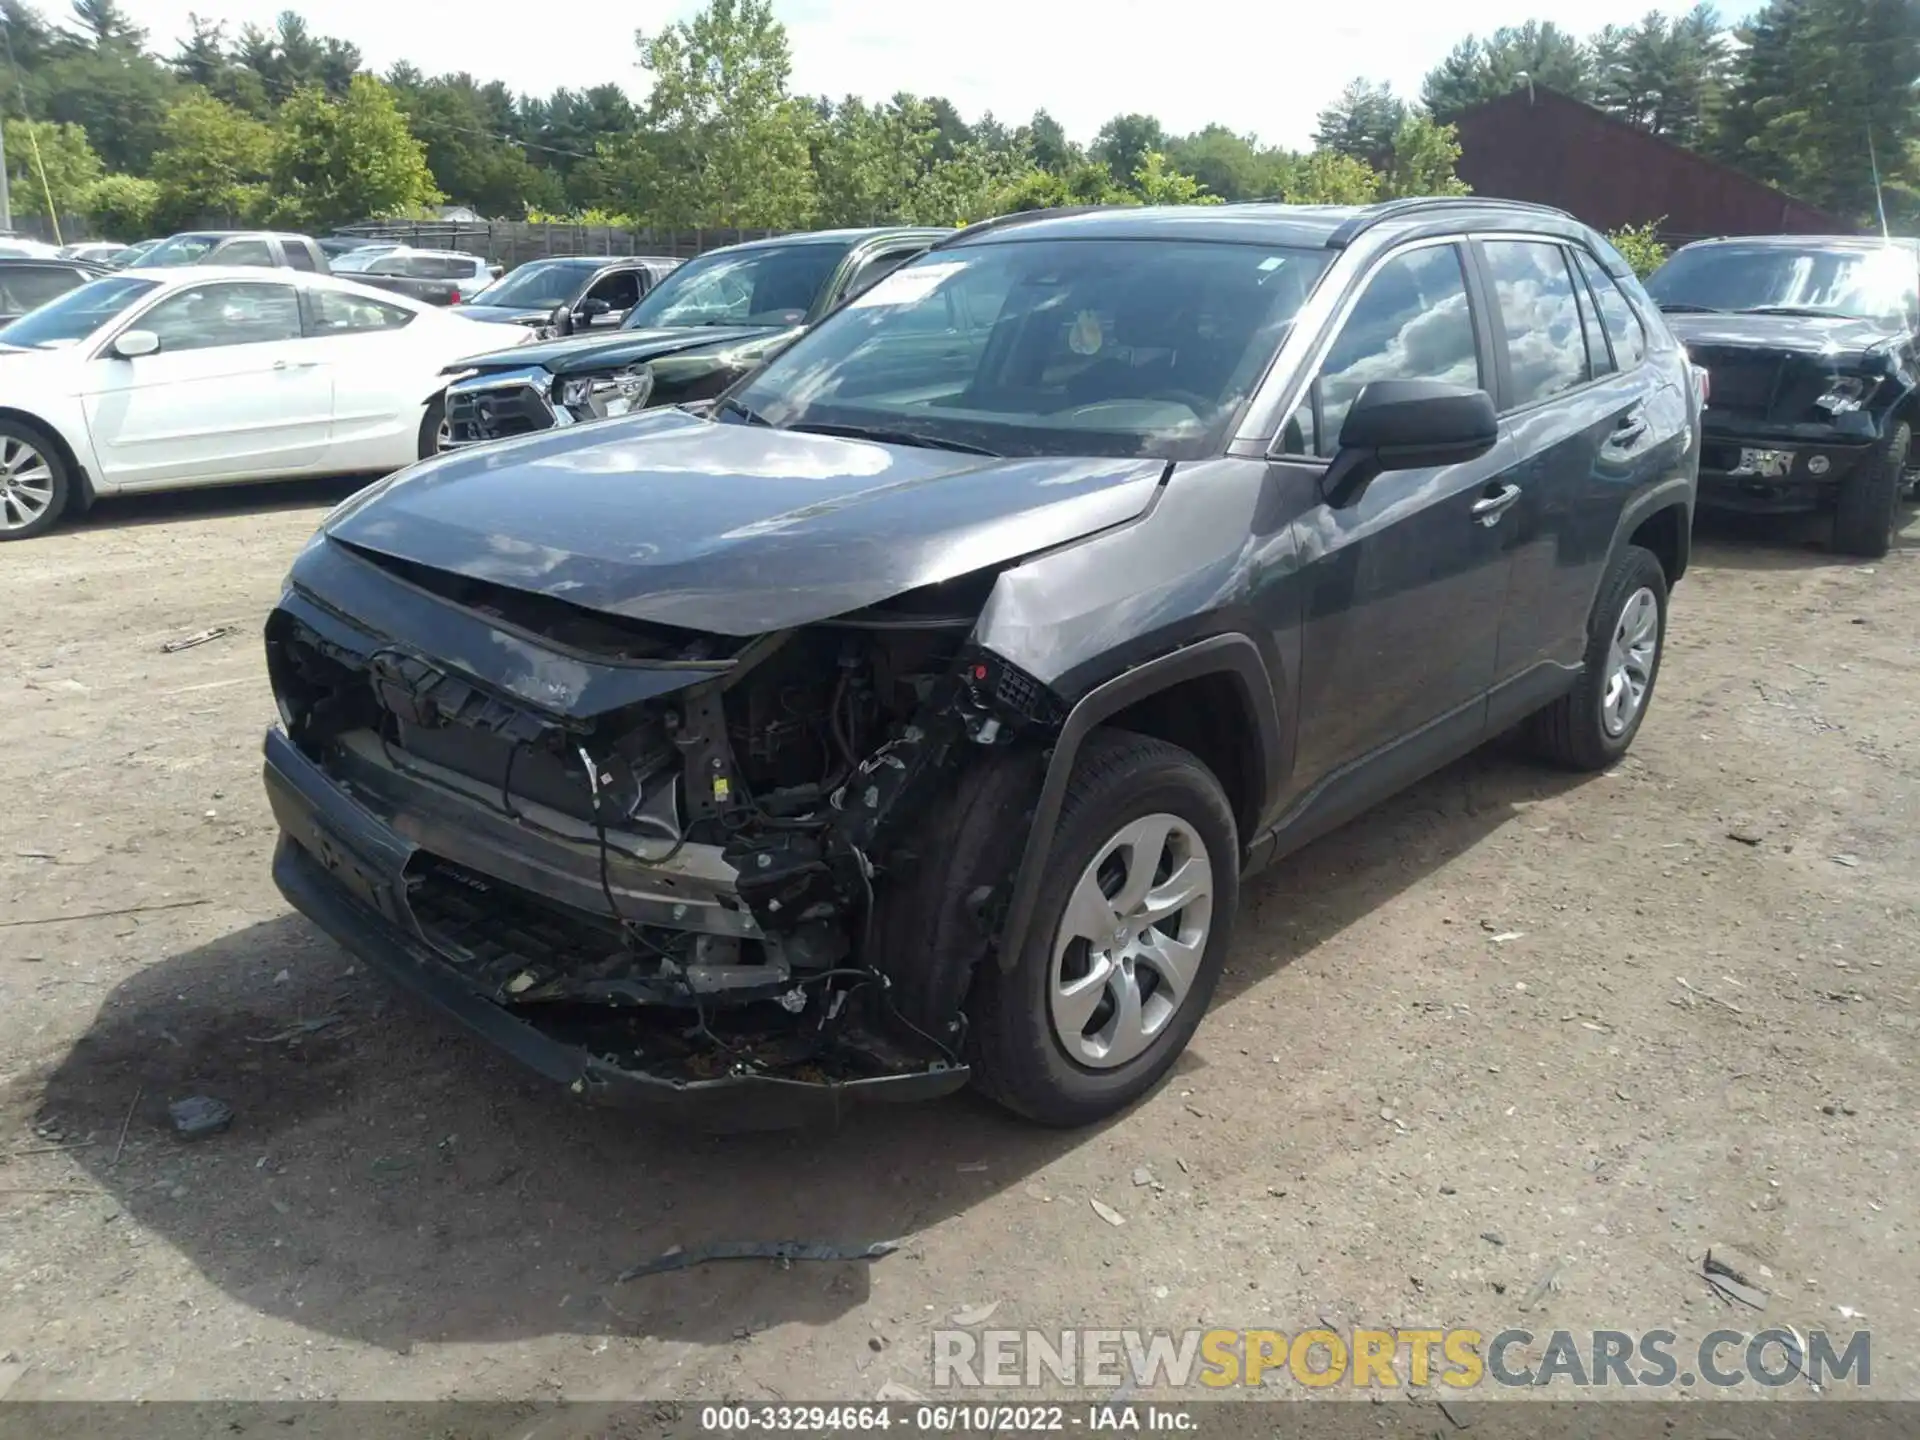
point(343, 868)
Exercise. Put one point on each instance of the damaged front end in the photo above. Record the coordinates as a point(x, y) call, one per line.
point(645, 860)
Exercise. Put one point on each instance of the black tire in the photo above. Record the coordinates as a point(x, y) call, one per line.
point(1573, 731)
point(430, 424)
point(15, 433)
point(1018, 1059)
point(1869, 501)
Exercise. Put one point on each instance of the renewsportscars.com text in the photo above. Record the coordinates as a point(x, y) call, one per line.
point(1460, 1358)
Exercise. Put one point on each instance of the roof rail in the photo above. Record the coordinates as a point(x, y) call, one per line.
point(1017, 217)
point(1416, 204)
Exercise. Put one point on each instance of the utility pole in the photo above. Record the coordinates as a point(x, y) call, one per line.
point(6, 200)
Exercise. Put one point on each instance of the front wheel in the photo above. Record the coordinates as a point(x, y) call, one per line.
point(34, 484)
point(433, 427)
point(1592, 725)
point(1868, 505)
point(1134, 916)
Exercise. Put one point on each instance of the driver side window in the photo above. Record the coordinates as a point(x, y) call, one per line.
point(1412, 322)
point(232, 313)
point(621, 291)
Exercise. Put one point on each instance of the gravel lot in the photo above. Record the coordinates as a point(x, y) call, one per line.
point(1610, 1021)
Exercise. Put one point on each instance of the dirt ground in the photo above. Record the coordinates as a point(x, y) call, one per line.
point(1579, 1016)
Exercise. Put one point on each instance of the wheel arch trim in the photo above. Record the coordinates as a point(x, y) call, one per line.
point(1234, 655)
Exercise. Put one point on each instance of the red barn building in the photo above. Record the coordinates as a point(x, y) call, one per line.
point(1539, 145)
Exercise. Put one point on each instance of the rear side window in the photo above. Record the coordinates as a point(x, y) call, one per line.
point(1412, 322)
point(244, 252)
point(1623, 326)
point(1599, 357)
point(336, 312)
point(1533, 291)
point(297, 255)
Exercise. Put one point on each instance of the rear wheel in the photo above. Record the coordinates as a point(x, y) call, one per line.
point(34, 483)
point(1869, 501)
point(1134, 917)
point(1592, 725)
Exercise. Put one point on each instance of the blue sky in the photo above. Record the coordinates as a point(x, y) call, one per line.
point(1261, 67)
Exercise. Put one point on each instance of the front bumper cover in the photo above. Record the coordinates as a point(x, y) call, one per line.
point(1805, 472)
point(344, 869)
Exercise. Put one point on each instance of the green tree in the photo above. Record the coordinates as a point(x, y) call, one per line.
point(1665, 75)
point(475, 159)
point(49, 167)
point(867, 160)
point(1326, 177)
point(1047, 140)
point(1480, 70)
point(1158, 183)
point(967, 186)
point(1818, 78)
point(725, 143)
point(336, 161)
point(1421, 160)
point(1640, 247)
point(97, 76)
point(1231, 166)
point(212, 165)
point(1362, 122)
point(1124, 143)
point(121, 206)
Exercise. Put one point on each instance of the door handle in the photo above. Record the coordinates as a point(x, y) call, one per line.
point(1489, 508)
point(295, 364)
point(1630, 429)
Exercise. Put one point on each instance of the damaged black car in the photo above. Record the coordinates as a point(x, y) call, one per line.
point(910, 716)
point(710, 322)
point(1812, 346)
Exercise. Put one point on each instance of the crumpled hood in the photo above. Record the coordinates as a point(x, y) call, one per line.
point(735, 529)
point(616, 347)
point(1838, 340)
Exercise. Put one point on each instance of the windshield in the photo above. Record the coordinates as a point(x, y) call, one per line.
point(1862, 283)
point(181, 250)
point(542, 284)
point(78, 313)
point(772, 286)
point(1047, 347)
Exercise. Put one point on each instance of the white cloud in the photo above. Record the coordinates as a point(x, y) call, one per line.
point(1266, 68)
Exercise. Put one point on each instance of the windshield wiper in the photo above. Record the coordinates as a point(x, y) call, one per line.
point(1687, 307)
point(1812, 310)
point(884, 436)
point(730, 406)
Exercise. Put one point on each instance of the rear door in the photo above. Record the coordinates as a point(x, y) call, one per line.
point(1404, 587)
point(1583, 434)
point(234, 391)
point(381, 384)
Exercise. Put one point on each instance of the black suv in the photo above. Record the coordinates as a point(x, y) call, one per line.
point(1809, 343)
point(702, 328)
point(914, 714)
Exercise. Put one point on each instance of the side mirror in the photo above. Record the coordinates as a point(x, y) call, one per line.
point(591, 310)
point(561, 320)
point(132, 344)
point(1408, 425)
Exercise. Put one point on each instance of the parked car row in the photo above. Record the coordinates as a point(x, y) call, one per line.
point(160, 378)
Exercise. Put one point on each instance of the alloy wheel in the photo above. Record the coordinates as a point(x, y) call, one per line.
point(26, 483)
point(1631, 657)
point(1129, 945)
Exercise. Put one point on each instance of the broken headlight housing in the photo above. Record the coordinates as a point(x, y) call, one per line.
point(602, 397)
point(1847, 393)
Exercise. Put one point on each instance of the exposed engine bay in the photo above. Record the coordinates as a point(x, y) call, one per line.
point(686, 886)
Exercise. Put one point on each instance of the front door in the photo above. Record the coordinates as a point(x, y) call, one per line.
point(1403, 588)
point(233, 392)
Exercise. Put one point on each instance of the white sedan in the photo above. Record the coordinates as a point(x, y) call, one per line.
point(163, 379)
